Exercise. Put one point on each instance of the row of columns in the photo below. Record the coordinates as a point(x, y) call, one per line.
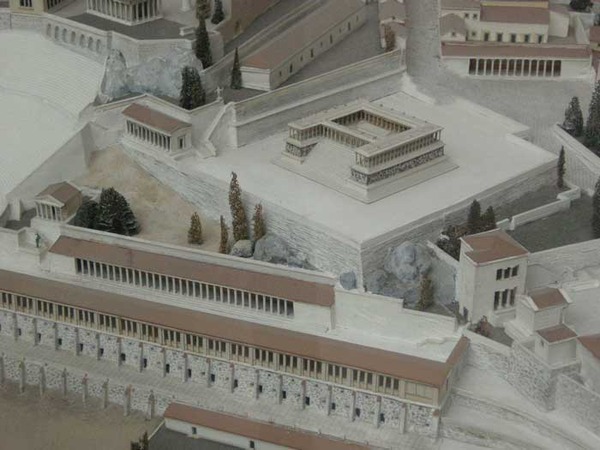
point(136, 12)
point(515, 67)
point(153, 137)
point(48, 212)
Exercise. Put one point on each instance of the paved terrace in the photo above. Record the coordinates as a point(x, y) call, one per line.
point(219, 400)
point(157, 29)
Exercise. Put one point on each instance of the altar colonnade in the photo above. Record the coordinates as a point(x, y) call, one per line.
point(129, 11)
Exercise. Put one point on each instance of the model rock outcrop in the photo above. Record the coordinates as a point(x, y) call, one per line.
point(158, 76)
point(242, 248)
point(273, 249)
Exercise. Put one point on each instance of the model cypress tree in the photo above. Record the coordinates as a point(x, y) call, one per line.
point(592, 126)
point(218, 15)
point(389, 37)
point(202, 45)
point(488, 220)
point(236, 72)
point(202, 10)
point(224, 243)
point(580, 5)
point(574, 118)
point(474, 219)
point(195, 231)
point(560, 168)
point(596, 211)
point(239, 223)
point(426, 297)
point(115, 215)
point(192, 93)
point(258, 223)
point(86, 215)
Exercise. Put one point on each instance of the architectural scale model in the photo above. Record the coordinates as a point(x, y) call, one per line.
point(282, 224)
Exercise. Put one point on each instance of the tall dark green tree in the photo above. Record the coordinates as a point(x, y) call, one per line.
point(239, 223)
point(596, 211)
point(258, 223)
point(560, 169)
point(488, 220)
point(202, 10)
point(224, 241)
point(192, 93)
point(592, 126)
point(115, 215)
point(236, 72)
point(474, 218)
point(86, 215)
point(580, 5)
point(426, 297)
point(202, 45)
point(573, 122)
point(218, 14)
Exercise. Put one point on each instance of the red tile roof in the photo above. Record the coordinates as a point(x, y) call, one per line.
point(557, 333)
point(515, 14)
point(256, 430)
point(429, 372)
point(63, 192)
point(548, 298)
point(592, 343)
point(153, 118)
point(289, 288)
point(461, 4)
point(492, 246)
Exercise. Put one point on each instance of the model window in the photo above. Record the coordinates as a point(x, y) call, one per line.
point(499, 274)
point(513, 37)
point(527, 38)
point(507, 272)
point(515, 271)
point(499, 37)
point(486, 36)
point(496, 299)
point(475, 16)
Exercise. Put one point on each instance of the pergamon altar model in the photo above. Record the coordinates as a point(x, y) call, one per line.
point(299, 224)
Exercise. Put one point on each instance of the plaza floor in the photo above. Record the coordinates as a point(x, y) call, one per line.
point(28, 422)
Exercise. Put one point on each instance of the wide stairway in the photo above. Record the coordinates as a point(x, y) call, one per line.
point(32, 65)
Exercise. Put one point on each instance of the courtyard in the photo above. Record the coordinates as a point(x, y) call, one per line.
point(57, 423)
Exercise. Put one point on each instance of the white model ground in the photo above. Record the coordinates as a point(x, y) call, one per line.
point(43, 88)
point(479, 141)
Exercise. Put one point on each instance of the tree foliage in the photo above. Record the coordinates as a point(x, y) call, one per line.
point(202, 45)
point(202, 10)
point(426, 297)
point(192, 93)
point(573, 122)
point(596, 211)
point(389, 37)
point(474, 218)
point(224, 242)
point(592, 126)
point(236, 72)
point(86, 215)
point(580, 5)
point(561, 170)
point(239, 222)
point(115, 215)
point(258, 223)
point(218, 14)
point(488, 220)
point(195, 231)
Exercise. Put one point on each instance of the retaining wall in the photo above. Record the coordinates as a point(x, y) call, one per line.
point(578, 402)
point(562, 203)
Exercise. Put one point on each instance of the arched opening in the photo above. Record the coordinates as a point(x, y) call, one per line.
point(98, 46)
point(90, 43)
point(73, 36)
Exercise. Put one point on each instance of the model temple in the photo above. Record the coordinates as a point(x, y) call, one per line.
point(317, 224)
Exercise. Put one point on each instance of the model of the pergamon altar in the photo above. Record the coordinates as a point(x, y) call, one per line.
point(299, 224)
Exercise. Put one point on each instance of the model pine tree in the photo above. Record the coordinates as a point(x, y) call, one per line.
point(224, 243)
point(236, 72)
point(115, 215)
point(488, 220)
point(239, 223)
point(474, 219)
point(596, 211)
point(202, 45)
point(218, 15)
point(86, 215)
point(574, 118)
point(592, 126)
point(560, 168)
point(258, 223)
point(426, 297)
point(195, 231)
point(389, 37)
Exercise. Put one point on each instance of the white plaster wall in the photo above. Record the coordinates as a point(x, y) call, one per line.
point(546, 318)
point(559, 24)
point(562, 353)
point(507, 28)
point(575, 257)
point(253, 78)
point(95, 40)
point(525, 316)
point(578, 402)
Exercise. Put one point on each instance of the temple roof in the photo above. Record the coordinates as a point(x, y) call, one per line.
point(153, 118)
